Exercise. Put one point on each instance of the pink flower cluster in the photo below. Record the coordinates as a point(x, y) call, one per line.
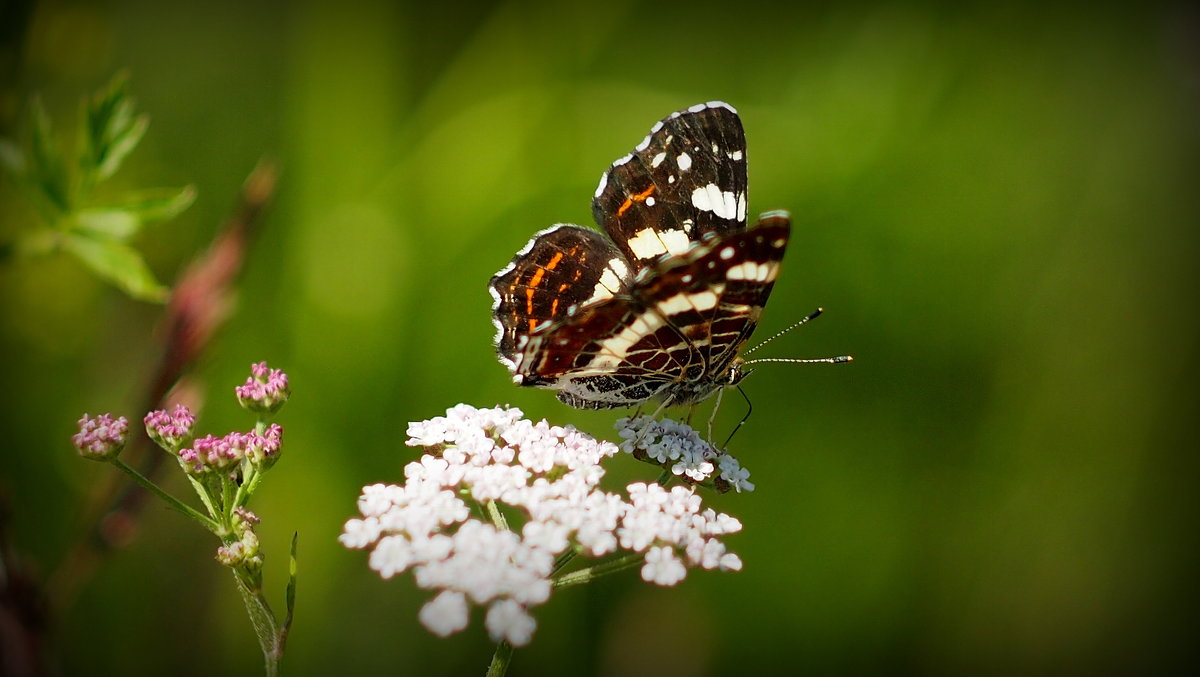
point(265, 391)
point(211, 453)
point(101, 438)
point(170, 431)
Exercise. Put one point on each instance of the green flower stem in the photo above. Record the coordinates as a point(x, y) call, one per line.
point(270, 640)
point(496, 516)
point(665, 477)
point(227, 493)
point(203, 494)
point(500, 660)
point(591, 573)
point(175, 503)
point(250, 484)
point(246, 489)
point(564, 559)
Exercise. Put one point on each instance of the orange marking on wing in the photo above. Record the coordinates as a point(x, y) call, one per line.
point(529, 301)
point(537, 277)
point(554, 261)
point(554, 308)
point(640, 197)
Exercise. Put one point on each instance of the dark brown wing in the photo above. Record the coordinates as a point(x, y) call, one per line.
point(561, 269)
point(685, 181)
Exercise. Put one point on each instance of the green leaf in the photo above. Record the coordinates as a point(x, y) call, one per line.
point(118, 263)
point(108, 222)
point(137, 209)
point(158, 204)
point(290, 598)
point(47, 171)
point(109, 132)
point(120, 145)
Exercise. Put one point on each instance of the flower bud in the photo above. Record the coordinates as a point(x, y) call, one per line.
point(101, 438)
point(265, 391)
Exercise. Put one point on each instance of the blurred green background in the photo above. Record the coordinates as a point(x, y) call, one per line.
point(996, 204)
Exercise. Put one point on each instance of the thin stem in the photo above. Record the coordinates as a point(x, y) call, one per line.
point(263, 620)
point(496, 516)
point(246, 488)
point(564, 559)
point(500, 660)
point(175, 503)
point(227, 492)
point(665, 477)
point(589, 574)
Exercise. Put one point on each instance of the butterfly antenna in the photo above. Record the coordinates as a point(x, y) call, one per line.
point(840, 359)
point(811, 316)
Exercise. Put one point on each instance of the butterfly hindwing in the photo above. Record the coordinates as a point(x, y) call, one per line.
point(561, 269)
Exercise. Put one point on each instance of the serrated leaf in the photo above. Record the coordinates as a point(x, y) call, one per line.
point(290, 595)
point(159, 204)
point(110, 131)
point(120, 145)
point(47, 170)
point(118, 263)
point(137, 209)
point(110, 222)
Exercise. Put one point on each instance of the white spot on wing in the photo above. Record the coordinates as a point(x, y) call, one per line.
point(614, 348)
point(650, 202)
point(757, 272)
point(735, 155)
point(650, 243)
point(710, 198)
point(643, 144)
point(685, 162)
point(603, 184)
point(658, 159)
point(682, 303)
point(727, 253)
point(609, 285)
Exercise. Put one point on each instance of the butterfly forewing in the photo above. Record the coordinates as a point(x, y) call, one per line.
point(686, 180)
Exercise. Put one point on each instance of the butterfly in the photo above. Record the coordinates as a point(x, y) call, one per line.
point(659, 307)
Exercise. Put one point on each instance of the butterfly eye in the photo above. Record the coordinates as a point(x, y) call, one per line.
point(735, 375)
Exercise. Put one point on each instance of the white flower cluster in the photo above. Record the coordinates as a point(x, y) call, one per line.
point(671, 444)
point(551, 475)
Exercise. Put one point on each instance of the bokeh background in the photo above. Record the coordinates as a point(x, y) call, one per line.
point(996, 203)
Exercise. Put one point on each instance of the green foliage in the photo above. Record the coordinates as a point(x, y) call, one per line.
point(97, 233)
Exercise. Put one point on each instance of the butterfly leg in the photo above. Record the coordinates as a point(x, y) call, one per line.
point(713, 416)
point(645, 428)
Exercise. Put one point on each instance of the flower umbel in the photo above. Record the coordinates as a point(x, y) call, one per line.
point(547, 475)
point(101, 438)
point(265, 391)
point(170, 431)
point(675, 446)
point(225, 473)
